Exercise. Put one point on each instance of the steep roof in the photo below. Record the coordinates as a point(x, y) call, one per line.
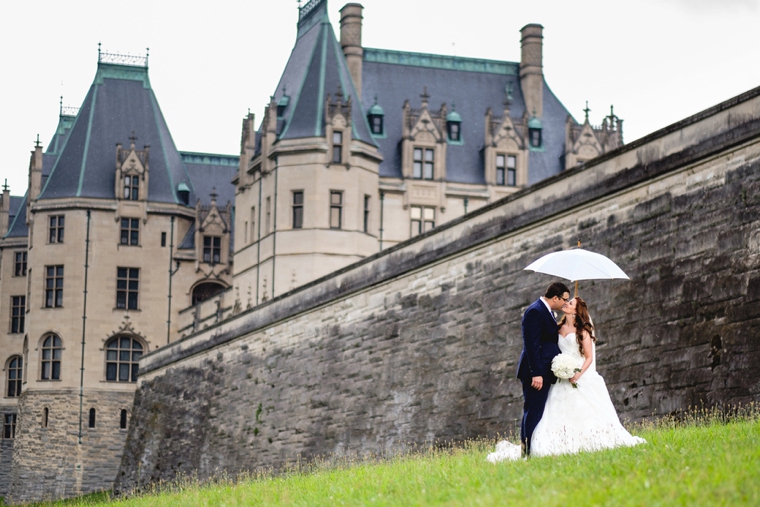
point(211, 172)
point(474, 85)
point(316, 68)
point(119, 102)
point(17, 227)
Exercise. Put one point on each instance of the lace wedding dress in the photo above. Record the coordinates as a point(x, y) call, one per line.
point(574, 420)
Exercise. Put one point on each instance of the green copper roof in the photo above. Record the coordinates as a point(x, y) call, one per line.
point(182, 187)
point(454, 116)
point(534, 123)
point(440, 61)
point(284, 101)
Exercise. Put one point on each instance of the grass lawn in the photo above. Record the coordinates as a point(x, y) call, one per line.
point(704, 462)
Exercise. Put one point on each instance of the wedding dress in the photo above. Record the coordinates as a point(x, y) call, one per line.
point(575, 419)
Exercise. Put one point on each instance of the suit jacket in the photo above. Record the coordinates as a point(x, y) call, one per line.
point(540, 336)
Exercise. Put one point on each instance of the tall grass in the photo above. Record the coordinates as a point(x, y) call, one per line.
point(699, 457)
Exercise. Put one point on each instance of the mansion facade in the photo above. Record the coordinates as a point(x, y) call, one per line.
point(122, 243)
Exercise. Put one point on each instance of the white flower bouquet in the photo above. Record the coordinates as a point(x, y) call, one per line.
point(564, 366)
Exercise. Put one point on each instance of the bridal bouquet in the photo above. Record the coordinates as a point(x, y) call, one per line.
point(564, 366)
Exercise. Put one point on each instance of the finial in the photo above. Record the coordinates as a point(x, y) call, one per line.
point(299, 6)
point(213, 195)
point(98, 52)
point(453, 106)
point(37, 142)
point(612, 111)
point(376, 99)
point(424, 96)
point(147, 55)
point(60, 107)
point(132, 138)
point(284, 89)
point(586, 110)
point(5, 185)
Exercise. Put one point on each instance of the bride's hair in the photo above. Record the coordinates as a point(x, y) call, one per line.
point(582, 322)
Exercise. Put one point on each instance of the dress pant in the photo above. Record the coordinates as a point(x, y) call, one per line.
point(533, 410)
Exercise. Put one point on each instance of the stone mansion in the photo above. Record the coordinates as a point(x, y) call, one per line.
point(122, 243)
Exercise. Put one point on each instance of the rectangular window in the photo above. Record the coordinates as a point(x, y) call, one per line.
point(337, 154)
point(130, 231)
point(511, 170)
point(127, 284)
point(53, 286)
point(297, 210)
point(336, 209)
point(131, 187)
point(366, 213)
point(9, 426)
point(18, 311)
point(55, 231)
point(423, 219)
point(19, 264)
point(212, 249)
point(424, 164)
point(163, 239)
point(501, 166)
point(269, 215)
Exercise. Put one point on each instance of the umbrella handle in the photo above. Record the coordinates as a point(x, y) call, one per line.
point(576, 289)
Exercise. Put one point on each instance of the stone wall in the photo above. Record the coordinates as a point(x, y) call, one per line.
point(420, 343)
point(49, 462)
point(6, 454)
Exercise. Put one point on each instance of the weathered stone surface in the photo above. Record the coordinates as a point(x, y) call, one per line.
point(49, 462)
point(413, 348)
point(6, 455)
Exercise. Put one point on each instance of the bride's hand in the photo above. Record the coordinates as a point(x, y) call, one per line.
point(574, 378)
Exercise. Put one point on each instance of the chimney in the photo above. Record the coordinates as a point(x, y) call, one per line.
point(531, 69)
point(351, 41)
point(5, 209)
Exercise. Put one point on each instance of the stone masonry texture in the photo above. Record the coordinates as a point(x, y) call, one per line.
point(430, 354)
point(6, 454)
point(48, 462)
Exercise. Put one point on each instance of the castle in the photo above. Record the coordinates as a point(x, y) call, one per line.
point(123, 244)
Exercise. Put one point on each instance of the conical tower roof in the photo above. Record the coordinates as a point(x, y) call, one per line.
point(120, 103)
point(316, 68)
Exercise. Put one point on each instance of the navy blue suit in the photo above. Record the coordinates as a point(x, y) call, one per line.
point(540, 336)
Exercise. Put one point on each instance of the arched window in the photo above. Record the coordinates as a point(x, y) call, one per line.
point(15, 374)
point(204, 291)
point(51, 358)
point(122, 355)
point(91, 423)
point(123, 419)
point(45, 417)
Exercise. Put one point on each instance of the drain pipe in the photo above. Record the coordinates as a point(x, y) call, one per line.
point(258, 238)
point(171, 274)
point(84, 323)
point(274, 225)
point(382, 205)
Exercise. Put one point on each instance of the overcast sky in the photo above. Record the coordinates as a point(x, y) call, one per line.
point(657, 61)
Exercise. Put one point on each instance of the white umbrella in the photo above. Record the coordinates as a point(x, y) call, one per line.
point(578, 264)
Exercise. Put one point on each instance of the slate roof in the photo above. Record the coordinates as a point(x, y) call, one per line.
point(17, 218)
point(210, 171)
point(316, 68)
point(473, 85)
point(119, 102)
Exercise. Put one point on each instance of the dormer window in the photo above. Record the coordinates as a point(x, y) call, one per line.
point(131, 188)
point(424, 164)
point(337, 154)
point(454, 126)
point(282, 105)
point(534, 132)
point(375, 118)
point(183, 192)
point(506, 170)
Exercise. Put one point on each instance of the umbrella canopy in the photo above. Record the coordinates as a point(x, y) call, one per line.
point(578, 264)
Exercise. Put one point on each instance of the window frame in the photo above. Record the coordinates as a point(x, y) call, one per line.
point(423, 163)
point(130, 235)
point(337, 147)
point(424, 222)
point(19, 265)
point(297, 209)
point(117, 359)
point(336, 209)
point(17, 371)
point(128, 292)
point(9, 426)
point(131, 189)
point(51, 373)
point(18, 314)
point(450, 127)
point(56, 227)
point(506, 170)
point(212, 250)
point(53, 286)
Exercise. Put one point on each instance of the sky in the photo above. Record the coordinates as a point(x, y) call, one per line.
point(657, 61)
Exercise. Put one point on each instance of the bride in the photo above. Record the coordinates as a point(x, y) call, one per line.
point(575, 419)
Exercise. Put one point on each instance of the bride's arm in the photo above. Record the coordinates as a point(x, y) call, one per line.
point(588, 354)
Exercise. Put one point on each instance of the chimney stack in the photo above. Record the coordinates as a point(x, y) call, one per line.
point(351, 41)
point(5, 209)
point(531, 68)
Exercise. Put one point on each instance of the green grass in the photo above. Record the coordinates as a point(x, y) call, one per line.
point(697, 461)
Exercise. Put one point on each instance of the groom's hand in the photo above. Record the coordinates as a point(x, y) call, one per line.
point(537, 383)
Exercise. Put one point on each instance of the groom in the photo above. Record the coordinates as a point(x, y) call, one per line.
point(540, 336)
